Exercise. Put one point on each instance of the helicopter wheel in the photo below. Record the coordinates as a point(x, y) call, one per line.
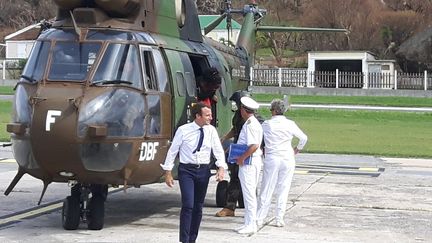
point(71, 213)
point(96, 213)
point(221, 193)
point(96, 207)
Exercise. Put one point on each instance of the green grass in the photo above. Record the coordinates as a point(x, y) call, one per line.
point(266, 52)
point(5, 118)
point(6, 90)
point(350, 100)
point(393, 134)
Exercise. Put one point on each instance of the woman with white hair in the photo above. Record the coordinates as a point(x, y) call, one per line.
point(279, 161)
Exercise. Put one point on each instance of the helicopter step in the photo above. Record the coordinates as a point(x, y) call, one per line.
point(87, 204)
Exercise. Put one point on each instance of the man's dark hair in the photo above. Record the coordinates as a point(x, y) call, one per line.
point(248, 110)
point(237, 95)
point(197, 109)
point(211, 76)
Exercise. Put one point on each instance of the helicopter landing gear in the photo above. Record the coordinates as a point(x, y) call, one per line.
point(80, 205)
point(71, 213)
point(96, 207)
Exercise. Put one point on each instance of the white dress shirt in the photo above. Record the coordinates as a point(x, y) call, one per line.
point(278, 134)
point(185, 141)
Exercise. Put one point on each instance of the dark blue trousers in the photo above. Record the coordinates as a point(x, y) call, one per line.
point(193, 181)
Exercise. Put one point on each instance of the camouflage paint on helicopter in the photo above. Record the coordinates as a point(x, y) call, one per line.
point(105, 88)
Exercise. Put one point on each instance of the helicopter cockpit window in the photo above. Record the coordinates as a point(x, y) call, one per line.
point(71, 61)
point(37, 61)
point(111, 35)
point(122, 111)
point(119, 65)
point(59, 34)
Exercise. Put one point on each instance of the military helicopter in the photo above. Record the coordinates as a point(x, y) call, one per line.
point(105, 87)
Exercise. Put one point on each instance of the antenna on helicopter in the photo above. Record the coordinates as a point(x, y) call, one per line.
point(228, 19)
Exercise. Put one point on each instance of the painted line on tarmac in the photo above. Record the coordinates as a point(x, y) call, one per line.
point(370, 169)
point(37, 211)
point(334, 172)
point(6, 160)
point(30, 213)
point(338, 170)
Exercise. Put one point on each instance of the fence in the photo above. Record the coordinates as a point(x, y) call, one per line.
point(286, 77)
point(11, 68)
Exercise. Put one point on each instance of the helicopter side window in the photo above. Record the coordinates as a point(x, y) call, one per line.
point(161, 71)
point(189, 74)
point(35, 67)
point(154, 115)
point(181, 89)
point(150, 78)
point(119, 65)
point(72, 61)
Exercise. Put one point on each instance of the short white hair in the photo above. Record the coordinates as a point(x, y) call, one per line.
point(278, 106)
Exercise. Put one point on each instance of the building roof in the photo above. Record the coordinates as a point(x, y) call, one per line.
point(30, 32)
point(207, 19)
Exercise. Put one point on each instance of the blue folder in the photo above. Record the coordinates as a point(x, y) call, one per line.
point(235, 151)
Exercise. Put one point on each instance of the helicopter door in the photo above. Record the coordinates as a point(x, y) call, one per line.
point(184, 86)
point(157, 92)
point(158, 100)
point(200, 64)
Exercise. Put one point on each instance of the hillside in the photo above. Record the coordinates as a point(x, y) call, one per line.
point(379, 26)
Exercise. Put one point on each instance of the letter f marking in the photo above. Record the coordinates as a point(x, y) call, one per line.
point(50, 118)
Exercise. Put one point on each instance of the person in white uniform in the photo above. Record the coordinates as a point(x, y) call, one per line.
point(279, 161)
point(251, 134)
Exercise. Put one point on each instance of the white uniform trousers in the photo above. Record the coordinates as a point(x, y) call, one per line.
point(249, 175)
point(277, 177)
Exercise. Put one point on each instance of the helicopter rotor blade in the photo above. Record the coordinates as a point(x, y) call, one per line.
point(214, 23)
point(296, 29)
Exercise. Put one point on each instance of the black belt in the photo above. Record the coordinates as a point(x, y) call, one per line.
point(195, 166)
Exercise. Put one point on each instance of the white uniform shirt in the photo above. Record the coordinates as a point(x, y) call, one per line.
point(186, 140)
point(278, 134)
point(251, 133)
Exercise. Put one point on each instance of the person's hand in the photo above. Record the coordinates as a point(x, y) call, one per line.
point(240, 160)
point(296, 150)
point(169, 179)
point(220, 174)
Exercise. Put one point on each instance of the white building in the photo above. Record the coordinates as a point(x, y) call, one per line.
point(220, 32)
point(363, 62)
point(20, 43)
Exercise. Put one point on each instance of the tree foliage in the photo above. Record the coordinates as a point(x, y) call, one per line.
point(20, 13)
point(379, 26)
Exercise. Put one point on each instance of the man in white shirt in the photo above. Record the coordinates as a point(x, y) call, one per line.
point(279, 161)
point(194, 142)
point(251, 134)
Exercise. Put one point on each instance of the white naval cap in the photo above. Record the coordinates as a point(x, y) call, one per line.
point(249, 103)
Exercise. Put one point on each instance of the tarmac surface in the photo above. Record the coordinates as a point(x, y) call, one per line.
point(334, 198)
